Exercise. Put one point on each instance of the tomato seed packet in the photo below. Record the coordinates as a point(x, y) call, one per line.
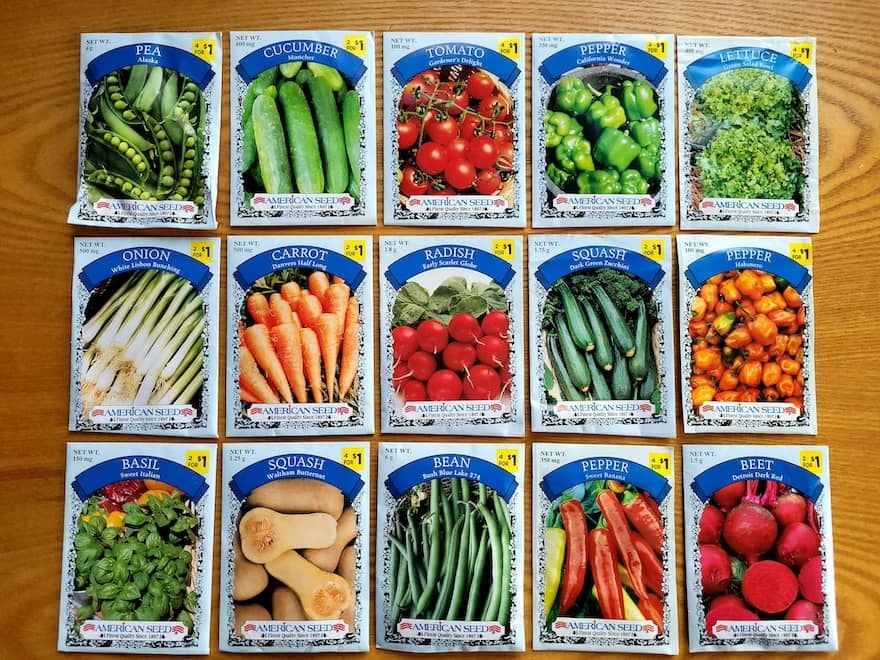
point(149, 130)
point(746, 319)
point(603, 552)
point(758, 548)
point(303, 108)
point(138, 547)
point(601, 335)
point(299, 338)
point(748, 133)
point(450, 327)
point(144, 335)
point(455, 129)
point(457, 512)
point(603, 118)
point(296, 536)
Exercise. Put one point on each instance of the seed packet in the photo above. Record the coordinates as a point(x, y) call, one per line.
point(457, 512)
point(748, 133)
point(149, 130)
point(758, 549)
point(138, 545)
point(601, 335)
point(604, 549)
point(455, 129)
point(303, 123)
point(603, 117)
point(296, 547)
point(144, 335)
point(746, 319)
point(299, 338)
point(451, 317)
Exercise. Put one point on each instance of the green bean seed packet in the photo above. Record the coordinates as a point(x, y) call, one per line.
point(138, 546)
point(149, 130)
point(748, 134)
point(450, 547)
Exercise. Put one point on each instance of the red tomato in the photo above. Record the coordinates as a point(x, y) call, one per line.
point(457, 147)
point(459, 173)
point(431, 158)
point(501, 132)
point(442, 131)
point(488, 182)
point(470, 126)
point(413, 182)
point(483, 152)
point(504, 162)
point(418, 90)
point(453, 98)
point(440, 189)
point(494, 107)
point(430, 77)
point(407, 132)
point(480, 85)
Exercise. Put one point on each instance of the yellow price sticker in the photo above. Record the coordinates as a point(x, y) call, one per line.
point(659, 48)
point(802, 51)
point(355, 249)
point(510, 47)
point(653, 249)
point(660, 462)
point(802, 253)
point(356, 44)
point(811, 461)
point(507, 459)
point(503, 249)
point(205, 48)
point(198, 460)
point(353, 458)
point(202, 251)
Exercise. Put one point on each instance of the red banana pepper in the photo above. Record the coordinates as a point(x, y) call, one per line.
point(575, 574)
point(603, 564)
point(615, 518)
point(652, 607)
point(645, 517)
point(652, 569)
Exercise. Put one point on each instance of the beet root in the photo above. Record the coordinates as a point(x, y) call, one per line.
point(797, 543)
point(790, 507)
point(769, 586)
point(810, 580)
point(750, 531)
point(711, 523)
point(715, 570)
point(729, 496)
point(804, 610)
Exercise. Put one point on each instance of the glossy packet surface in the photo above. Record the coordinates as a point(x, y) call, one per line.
point(457, 511)
point(138, 548)
point(455, 129)
point(748, 133)
point(601, 335)
point(747, 348)
point(296, 546)
point(144, 335)
point(303, 114)
point(604, 549)
point(759, 560)
point(299, 338)
point(603, 116)
point(149, 130)
point(451, 319)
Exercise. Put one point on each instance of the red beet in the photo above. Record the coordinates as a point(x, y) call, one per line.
point(728, 612)
point(797, 543)
point(769, 586)
point(810, 580)
point(790, 507)
point(711, 522)
point(729, 496)
point(714, 569)
point(804, 610)
point(726, 599)
point(750, 530)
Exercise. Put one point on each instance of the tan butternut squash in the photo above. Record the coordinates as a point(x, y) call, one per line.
point(249, 612)
point(323, 595)
point(298, 496)
point(249, 579)
point(347, 569)
point(265, 533)
point(327, 558)
point(286, 605)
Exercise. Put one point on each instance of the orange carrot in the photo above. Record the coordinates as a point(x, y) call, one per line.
point(257, 339)
point(294, 318)
point(348, 365)
point(318, 283)
point(336, 302)
point(258, 307)
point(285, 338)
point(250, 376)
point(309, 309)
point(240, 332)
point(290, 291)
point(329, 331)
point(336, 279)
point(312, 362)
point(279, 310)
point(245, 394)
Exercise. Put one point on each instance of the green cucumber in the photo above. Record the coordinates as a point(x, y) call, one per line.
point(574, 316)
point(248, 145)
point(331, 75)
point(638, 363)
point(271, 147)
point(289, 69)
point(566, 386)
point(621, 387)
point(330, 135)
point(598, 387)
point(302, 139)
point(604, 358)
point(351, 129)
point(303, 77)
point(616, 323)
point(572, 356)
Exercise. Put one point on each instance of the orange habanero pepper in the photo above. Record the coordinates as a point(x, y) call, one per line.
point(739, 337)
point(728, 291)
point(728, 381)
point(782, 318)
point(768, 282)
point(789, 365)
point(786, 385)
point(754, 352)
point(770, 394)
point(750, 395)
point(792, 297)
point(729, 395)
point(706, 359)
point(770, 374)
point(778, 347)
point(762, 329)
point(749, 284)
point(793, 345)
point(702, 394)
point(765, 304)
point(750, 374)
point(709, 293)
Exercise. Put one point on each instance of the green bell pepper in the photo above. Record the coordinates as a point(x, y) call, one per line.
point(647, 131)
point(605, 112)
point(558, 176)
point(638, 99)
point(573, 154)
point(616, 149)
point(572, 96)
point(632, 183)
point(598, 182)
point(557, 125)
point(648, 162)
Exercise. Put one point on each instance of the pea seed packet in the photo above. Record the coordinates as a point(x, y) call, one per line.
point(455, 129)
point(458, 513)
point(747, 347)
point(303, 135)
point(603, 552)
point(601, 335)
point(748, 134)
point(149, 130)
point(603, 117)
point(295, 522)
point(759, 559)
point(144, 336)
point(450, 321)
point(138, 545)
point(299, 336)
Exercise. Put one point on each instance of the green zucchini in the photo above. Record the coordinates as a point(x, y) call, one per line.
point(330, 135)
point(354, 186)
point(271, 149)
point(289, 69)
point(302, 139)
point(621, 388)
point(566, 387)
point(616, 323)
point(572, 356)
point(331, 75)
point(351, 129)
point(574, 316)
point(638, 363)
point(647, 386)
point(604, 358)
point(598, 387)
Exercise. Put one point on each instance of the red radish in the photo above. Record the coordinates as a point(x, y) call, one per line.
point(804, 610)
point(504, 375)
point(459, 356)
point(729, 612)
point(403, 341)
point(482, 383)
point(796, 544)
point(444, 385)
point(711, 522)
point(421, 365)
point(465, 328)
point(400, 375)
point(714, 569)
point(726, 599)
point(414, 390)
point(750, 531)
point(810, 580)
point(769, 586)
point(790, 507)
point(432, 336)
point(493, 350)
point(729, 496)
point(496, 323)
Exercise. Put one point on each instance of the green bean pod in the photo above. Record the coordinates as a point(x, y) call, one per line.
point(506, 560)
point(170, 94)
point(490, 613)
point(444, 597)
point(116, 183)
point(474, 596)
point(460, 589)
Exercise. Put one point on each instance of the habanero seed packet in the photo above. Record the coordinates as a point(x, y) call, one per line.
point(603, 552)
point(303, 109)
point(748, 134)
point(145, 335)
point(451, 320)
point(299, 335)
point(601, 335)
point(149, 130)
point(449, 547)
point(759, 559)
point(455, 129)
point(138, 544)
point(603, 112)
point(747, 334)
point(295, 524)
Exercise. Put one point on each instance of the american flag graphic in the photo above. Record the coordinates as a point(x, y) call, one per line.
point(648, 628)
point(708, 407)
point(187, 412)
point(496, 407)
point(562, 407)
point(405, 625)
point(810, 628)
point(249, 627)
point(791, 206)
point(495, 628)
point(647, 201)
point(259, 199)
point(791, 410)
point(178, 629)
point(415, 202)
point(339, 627)
point(189, 208)
point(560, 625)
point(345, 199)
point(646, 407)
point(499, 202)
point(562, 200)
point(706, 204)
point(409, 408)
point(342, 410)
point(256, 410)
point(97, 412)
point(103, 204)
point(721, 627)
point(88, 626)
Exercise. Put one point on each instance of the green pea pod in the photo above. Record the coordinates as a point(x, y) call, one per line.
point(331, 75)
point(137, 76)
point(117, 125)
point(151, 89)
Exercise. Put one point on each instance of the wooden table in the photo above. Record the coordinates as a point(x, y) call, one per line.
point(38, 129)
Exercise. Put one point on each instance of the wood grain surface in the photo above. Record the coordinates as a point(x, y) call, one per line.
point(38, 137)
